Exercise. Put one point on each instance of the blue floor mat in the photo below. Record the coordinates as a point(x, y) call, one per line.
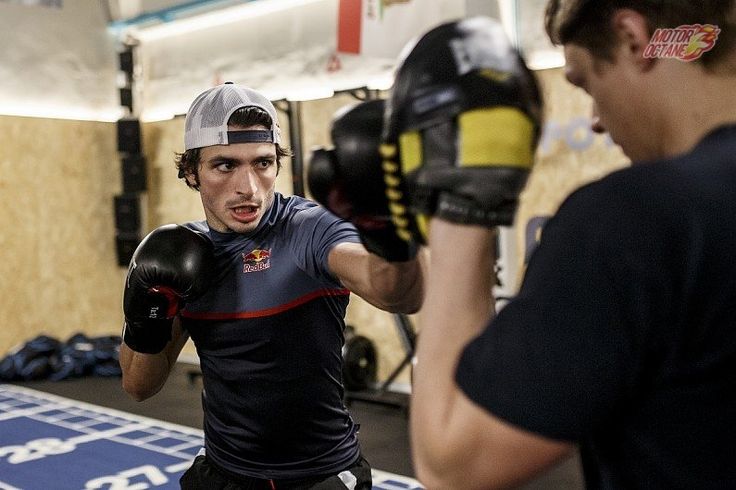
point(47, 441)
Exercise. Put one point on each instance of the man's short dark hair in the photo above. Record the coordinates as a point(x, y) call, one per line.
point(587, 23)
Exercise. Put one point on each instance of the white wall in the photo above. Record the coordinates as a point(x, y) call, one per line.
point(62, 62)
point(58, 61)
point(282, 54)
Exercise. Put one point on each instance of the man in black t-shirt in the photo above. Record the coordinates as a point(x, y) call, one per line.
point(622, 339)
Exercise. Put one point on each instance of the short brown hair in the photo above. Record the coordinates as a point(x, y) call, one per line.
point(588, 22)
point(188, 162)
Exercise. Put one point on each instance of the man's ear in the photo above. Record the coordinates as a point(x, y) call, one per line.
point(191, 180)
point(633, 33)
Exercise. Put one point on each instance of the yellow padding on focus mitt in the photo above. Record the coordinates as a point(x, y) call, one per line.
point(410, 149)
point(496, 136)
point(423, 226)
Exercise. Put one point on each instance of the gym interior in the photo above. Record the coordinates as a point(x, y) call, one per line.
point(92, 99)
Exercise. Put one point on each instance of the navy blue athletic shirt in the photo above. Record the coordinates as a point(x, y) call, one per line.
point(623, 335)
point(269, 336)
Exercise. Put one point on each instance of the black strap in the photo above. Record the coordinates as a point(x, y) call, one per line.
point(251, 136)
point(252, 483)
point(459, 209)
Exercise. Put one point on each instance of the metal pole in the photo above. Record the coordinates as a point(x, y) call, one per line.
point(295, 139)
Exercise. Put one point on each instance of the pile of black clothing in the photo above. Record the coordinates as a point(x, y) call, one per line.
point(47, 358)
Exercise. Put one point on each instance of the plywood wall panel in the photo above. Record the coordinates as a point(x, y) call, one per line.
point(58, 273)
point(169, 198)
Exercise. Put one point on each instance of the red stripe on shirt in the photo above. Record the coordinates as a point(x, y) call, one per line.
point(349, 19)
point(267, 311)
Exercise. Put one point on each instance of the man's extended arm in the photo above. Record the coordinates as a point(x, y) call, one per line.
point(456, 443)
point(145, 374)
point(397, 287)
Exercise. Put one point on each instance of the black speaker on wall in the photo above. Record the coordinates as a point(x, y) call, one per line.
point(128, 213)
point(125, 60)
point(126, 98)
point(129, 136)
point(125, 244)
point(134, 173)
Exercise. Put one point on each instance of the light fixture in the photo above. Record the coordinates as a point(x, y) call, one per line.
point(383, 82)
point(214, 18)
point(310, 93)
point(161, 114)
point(52, 111)
point(545, 59)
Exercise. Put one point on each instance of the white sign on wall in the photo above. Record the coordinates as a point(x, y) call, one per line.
point(381, 28)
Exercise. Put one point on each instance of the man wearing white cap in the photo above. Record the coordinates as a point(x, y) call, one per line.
point(261, 286)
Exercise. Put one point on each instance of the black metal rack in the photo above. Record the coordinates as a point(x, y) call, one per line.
point(382, 394)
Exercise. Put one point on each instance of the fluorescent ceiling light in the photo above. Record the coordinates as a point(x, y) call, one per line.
point(254, 8)
point(310, 93)
point(160, 114)
point(49, 111)
point(545, 59)
point(384, 82)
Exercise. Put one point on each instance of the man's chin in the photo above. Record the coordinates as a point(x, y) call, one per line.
point(244, 227)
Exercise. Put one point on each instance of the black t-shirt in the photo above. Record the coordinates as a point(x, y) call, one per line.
point(623, 335)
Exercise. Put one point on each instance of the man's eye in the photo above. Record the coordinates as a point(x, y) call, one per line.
point(224, 166)
point(264, 163)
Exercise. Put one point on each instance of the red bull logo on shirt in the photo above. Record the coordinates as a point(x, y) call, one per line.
point(256, 260)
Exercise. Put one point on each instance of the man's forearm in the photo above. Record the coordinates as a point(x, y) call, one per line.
point(459, 303)
point(145, 374)
point(402, 284)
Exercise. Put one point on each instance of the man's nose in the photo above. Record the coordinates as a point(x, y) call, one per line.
point(246, 180)
point(595, 121)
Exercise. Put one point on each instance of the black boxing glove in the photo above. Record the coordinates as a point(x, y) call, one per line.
point(347, 179)
point(461, 129)
point(170, 266)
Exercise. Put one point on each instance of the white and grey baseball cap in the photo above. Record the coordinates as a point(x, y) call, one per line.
point(206, 121)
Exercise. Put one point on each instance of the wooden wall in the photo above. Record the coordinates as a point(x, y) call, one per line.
point(58, 273)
